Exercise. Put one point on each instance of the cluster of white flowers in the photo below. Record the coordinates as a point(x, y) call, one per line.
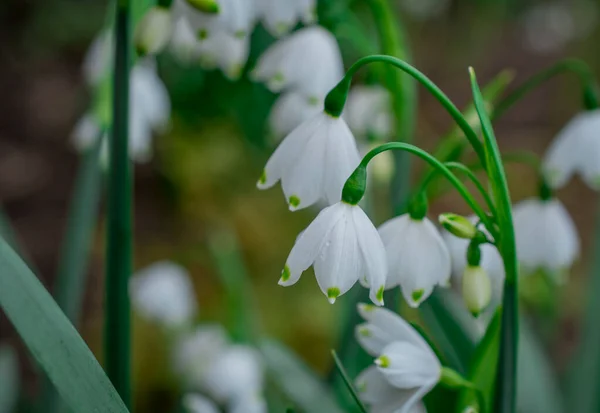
point(149, 103)
point(212, 369)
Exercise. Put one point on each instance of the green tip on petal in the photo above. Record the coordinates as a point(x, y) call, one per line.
point(294, 201)
point(202, 34)
point(206, 6)
point(361, 387)
point(313, 101)
point(379, 294)
point(364, 331)
point(263, 178)
point(367, 308)
point(383, 362)
point(240, 34)
point(417, 294)
point(285, 274)
point(332, 294)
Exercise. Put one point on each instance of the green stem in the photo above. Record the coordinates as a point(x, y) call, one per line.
point(119, 217)
point(348, 382)
point(443, 169)
point(333, 103)
point(579, 68)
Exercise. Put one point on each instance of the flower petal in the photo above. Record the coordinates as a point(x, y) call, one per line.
point(406, 366)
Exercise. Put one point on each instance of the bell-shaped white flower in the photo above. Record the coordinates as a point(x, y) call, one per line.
point(368, 112)
point(97, 61)
point(576, 149)
point(195, 351)
point(343, 245)
point(250, 402)
point(236, 17)
point(184, 43)
point(407, 368)
point(154, 31)
point(280, 16)
point(417, 257)
point(546, 235)
point(308, 61)
point(291, 110)
point(234, 373)
point(195, 403)
point(313, 162)
point(164, 292)
point(224, 51)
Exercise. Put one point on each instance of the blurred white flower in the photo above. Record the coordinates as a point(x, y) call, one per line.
point(546, 236)
point(343, 245)
point(576, 149)
point(406, 367)
point(153, 31)
point(368, 112)
point(251, 402)
point(195, 403)
point(417, 257)
point(308, 61)
point(224, 51)
point(195, 351)
point(184, 43)
point(164, 292)
point(425, 9)
point(280, 16)
point(548, 26)
point(98, 59)
point(234, 373)
point(313, 162)
point(289, 111)
point(236, 17)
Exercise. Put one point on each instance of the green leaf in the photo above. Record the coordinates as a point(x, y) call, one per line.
point(296, 380)
point(52, 339)
point(483, 368)
point(9, 377)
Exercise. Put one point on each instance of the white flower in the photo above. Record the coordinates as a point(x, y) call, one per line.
point(290, 110)
point(98, 60)
point(194, 352)
point(224, 51)
point(576, 149)
point(407, 369)
point(236, 17)
point(154, 31)
point(343, 245)
point(313, 162)
point(250, 402)
point(368, 112)
point(164, 292)
point(194, 403)
point(184, 43)
point(417, 257)
point(234, 373)
point(546, 235)
point(308, 61)
point(280, 16)
point(476, 289)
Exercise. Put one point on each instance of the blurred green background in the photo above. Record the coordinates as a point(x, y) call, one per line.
point(201, 183)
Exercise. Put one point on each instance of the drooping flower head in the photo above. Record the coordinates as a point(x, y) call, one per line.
point(406, 368)
point(280, 16)
point(236, 17)
point(343, 245)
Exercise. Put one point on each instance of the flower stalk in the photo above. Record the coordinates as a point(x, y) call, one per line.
point(119, 217)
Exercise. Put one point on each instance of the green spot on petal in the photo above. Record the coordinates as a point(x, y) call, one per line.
point(313, 101)
point(263, 178)
point(383, 362)
point(364, 331)
point(333, 293)
point(285, 274)
point(379, 295)
point(417, 294)
point(240, 34)
point(202, 34)
point(368, 308)
point(294, 201)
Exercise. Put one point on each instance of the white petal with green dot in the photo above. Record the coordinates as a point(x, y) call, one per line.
point(417, 257)
point(407, 366)
point(153, 31)
point(225, 51)
point(236, 17)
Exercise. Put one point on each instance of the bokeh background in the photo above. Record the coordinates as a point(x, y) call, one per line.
point(196, 202)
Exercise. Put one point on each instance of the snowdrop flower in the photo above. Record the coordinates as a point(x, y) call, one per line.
point(97, 61)
point(226, 52)
point(280, 16)
point(343, 245)
point(251, 402)
point(548, 27)
point(576, 149)
point(546, 235)
point(235, 372)
point(194, 403)
point(184, 43)
point(313, 162)
point(195, 351)
point(406, 367)
point(164, 292)
point(368, 112)
point(290, 110)
point(417, 257)
point(235, 17)
point(154, 31)
point(308, 61)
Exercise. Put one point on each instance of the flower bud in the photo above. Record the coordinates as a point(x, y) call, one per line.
point(458, 225)
point(206, 6)
point(153, 32)
point(476, 289)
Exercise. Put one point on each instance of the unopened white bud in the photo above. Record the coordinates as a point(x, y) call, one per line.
point(154, 31)
point(458, 225)
point(476, 289)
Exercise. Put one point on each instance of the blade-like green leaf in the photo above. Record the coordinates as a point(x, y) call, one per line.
point(52, 339)
point(9, 379)
point(301, 385)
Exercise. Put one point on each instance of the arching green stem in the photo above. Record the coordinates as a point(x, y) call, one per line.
point(335, 100)
point(360, 175)
point(579, 68)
